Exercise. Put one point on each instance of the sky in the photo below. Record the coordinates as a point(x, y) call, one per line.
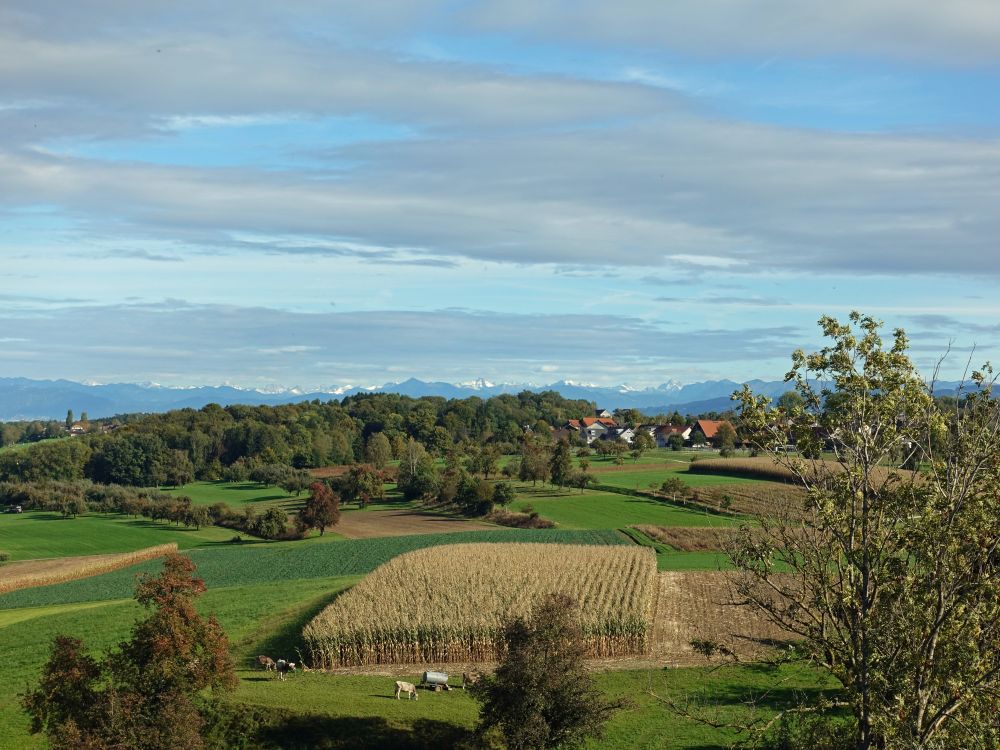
point(317, 194)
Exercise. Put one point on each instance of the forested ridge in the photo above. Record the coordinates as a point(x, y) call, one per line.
point(158, 449)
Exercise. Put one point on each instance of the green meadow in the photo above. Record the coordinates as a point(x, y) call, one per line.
point(35, 534)
point(237, 495)
point(341, 711)
point(590, 509)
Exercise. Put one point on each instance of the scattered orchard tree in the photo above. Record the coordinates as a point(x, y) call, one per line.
point(322, 509)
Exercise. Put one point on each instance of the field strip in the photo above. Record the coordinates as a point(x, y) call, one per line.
point(31, 573)
point(14, 616)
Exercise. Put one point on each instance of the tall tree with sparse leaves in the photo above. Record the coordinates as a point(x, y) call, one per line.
point(894, 584)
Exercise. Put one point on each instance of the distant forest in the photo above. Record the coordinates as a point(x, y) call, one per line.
point(150, 450)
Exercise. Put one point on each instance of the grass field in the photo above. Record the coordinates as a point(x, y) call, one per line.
point(233, 565)
point(337, 711)
point(237, 494)
point(637, 478)
point(36, 534)
point(571, 509)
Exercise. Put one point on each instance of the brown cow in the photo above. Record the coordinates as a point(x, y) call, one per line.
point(267, 662)
point(470, 678)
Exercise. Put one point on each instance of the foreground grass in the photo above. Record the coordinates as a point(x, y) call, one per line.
point(590, 509)
point(326, 711)
point(35, 534)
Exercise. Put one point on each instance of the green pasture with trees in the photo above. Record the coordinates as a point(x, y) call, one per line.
point(36, 534)
point(573, 509)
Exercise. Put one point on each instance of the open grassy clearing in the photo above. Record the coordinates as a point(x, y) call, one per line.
point(233, 565)
point(34, 534)
point(237, 494)
point(449, 604)
point(591, 509)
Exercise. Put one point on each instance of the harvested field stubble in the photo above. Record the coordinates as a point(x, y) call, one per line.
point(690, 539)
point(450, 604)
point(32, 573)
point(764, 499)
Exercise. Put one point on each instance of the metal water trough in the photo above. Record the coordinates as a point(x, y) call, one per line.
point(436, 681)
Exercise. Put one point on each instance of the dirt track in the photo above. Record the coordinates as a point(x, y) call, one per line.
point(365, 524)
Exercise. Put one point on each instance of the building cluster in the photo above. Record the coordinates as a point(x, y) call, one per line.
point(603, 426)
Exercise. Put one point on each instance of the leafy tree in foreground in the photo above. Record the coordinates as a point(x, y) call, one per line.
point(541, 696)
point(151, 693)
point(895, 575)
point(321, 510)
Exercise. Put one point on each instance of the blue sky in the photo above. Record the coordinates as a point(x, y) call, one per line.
point(529, 190)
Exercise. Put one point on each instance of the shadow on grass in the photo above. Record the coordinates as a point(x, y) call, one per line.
point(330, 733)
point(284, 631)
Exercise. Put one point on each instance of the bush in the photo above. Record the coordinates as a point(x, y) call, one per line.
point(520, 520)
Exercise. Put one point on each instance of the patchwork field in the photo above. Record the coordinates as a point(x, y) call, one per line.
point(378, 521)
point(449, 604)
point(36, 534)
point(591, 509)
point(235, 565)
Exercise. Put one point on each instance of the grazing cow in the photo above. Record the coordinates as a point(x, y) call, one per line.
point(406, 687)
point(267, 662)
point(470, 678)
point(283, 667)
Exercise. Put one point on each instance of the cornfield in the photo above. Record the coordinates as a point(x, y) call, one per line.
point(32, 573)
point(449, 604)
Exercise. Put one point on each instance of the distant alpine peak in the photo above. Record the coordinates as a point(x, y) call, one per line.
point(477, 385)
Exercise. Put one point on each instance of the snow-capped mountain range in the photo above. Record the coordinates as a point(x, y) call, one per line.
point(23, 398)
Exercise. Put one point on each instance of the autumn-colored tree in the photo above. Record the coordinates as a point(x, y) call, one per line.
point(321, 510)
point(150, 694)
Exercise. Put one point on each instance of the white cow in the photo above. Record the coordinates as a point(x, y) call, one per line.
point(406, 687)
point(283, 668)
